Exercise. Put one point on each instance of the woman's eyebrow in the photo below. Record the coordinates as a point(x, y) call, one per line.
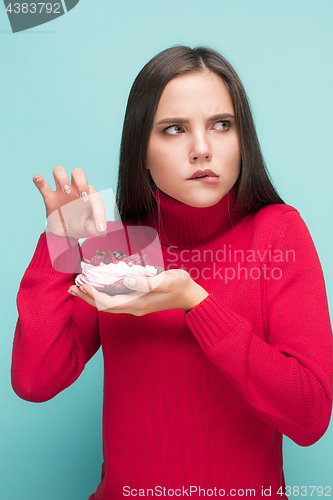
point(222, 116)
point(178, 119)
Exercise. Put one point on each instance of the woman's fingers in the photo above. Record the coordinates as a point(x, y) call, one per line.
point(78, 292)
point(42, 186)
point(162, 282)
point(61, 180)
point(79, 182)
point(145, 284)
point(100, 300)
point(82, 208)
point(98, 210)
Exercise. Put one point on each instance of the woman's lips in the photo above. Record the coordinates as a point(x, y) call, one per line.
point(206, 180)
point(201, 173)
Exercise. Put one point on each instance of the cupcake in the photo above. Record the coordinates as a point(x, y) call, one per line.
point(106, 271)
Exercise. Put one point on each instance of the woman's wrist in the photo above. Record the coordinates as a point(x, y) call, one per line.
point(196, 295)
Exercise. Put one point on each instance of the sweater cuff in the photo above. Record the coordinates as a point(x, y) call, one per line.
point(62, 253)
point(210, 321)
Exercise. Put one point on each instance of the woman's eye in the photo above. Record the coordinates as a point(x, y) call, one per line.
point(222, 125)
point(173, 130)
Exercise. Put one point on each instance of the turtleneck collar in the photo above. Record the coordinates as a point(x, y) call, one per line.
point(182, 226)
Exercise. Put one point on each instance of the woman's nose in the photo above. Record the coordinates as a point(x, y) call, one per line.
point(200, 150)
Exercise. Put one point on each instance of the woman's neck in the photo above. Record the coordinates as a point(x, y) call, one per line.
point(183, 226)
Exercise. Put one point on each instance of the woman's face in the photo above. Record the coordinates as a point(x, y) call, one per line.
point(194, 129)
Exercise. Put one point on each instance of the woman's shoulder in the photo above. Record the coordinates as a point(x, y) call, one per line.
point(279, 222)
point(276, 216)
point(274, 213)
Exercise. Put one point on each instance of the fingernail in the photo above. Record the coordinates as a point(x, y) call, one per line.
point(84, 195)
point(67, 189)
point(72, 293)
point(129, 282)
point(82, 289)
point(36, 177)
point(101, 226)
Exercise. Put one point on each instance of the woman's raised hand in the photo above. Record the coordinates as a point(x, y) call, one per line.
point(74, 209)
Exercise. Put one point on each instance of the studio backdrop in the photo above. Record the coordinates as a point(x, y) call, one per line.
point(66, 71)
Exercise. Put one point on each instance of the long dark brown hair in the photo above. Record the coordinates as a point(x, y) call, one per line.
point(253, 189)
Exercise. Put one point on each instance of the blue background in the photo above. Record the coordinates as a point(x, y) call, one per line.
point(64, 87)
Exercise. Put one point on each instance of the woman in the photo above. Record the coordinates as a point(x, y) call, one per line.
point(238, 349)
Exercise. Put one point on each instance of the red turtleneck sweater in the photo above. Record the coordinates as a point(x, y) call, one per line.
point(195, 404)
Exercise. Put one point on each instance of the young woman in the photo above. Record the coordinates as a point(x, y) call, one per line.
point(209, 363)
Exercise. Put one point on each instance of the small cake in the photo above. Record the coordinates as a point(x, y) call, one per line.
point(106, 271)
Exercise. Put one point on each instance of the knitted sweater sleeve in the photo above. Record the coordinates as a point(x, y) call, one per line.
point(55, 334)
point(287, 379)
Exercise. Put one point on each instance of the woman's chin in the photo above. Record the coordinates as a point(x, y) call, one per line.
point(202, 201)
point(197, 198)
